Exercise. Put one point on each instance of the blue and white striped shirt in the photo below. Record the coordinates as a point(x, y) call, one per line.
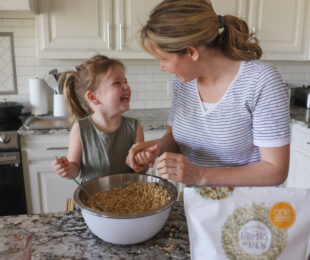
point(253, 112)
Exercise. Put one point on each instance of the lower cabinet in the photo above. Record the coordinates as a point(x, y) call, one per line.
point(299, 172)
point(45, 190)
point(48, 190)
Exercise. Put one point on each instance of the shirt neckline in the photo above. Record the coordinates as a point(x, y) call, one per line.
point(223, 97)
point(103, 132)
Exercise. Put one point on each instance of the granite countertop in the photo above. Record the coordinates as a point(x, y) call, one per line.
point(150, 119)
point(64, 235)
point(157, 119)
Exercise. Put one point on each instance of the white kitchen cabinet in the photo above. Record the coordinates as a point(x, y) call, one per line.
point(45, 191)
point(281, 27)
point(18, 5)
point(299, 172)
point(232, 7)
point(80, 29)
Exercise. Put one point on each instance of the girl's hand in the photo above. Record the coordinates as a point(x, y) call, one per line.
point(146, 157)
point(64, 168)
point(173, 166)
point(140, 155)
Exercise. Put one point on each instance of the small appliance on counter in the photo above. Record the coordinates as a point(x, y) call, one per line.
point(302, 96)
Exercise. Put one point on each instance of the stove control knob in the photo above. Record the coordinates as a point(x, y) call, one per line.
point(4, 139)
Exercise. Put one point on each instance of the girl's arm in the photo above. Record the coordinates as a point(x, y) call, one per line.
point(74, 154)
point(70, 165)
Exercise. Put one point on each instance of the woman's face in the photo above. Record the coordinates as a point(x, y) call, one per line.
point(113, 91)
point(182, 66)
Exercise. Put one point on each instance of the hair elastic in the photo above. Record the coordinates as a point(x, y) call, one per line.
point(221, 21)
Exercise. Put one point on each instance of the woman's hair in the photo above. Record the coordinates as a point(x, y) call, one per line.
point(86, 78)
point(175, 25)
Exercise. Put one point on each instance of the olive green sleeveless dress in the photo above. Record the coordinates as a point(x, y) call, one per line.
point(105, 153)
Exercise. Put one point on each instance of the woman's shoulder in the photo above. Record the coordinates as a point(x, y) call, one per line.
point(258, 66)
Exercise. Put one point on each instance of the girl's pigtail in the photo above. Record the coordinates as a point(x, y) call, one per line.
point(76, 110)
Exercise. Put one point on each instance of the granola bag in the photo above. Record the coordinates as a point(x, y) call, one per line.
point(248, 223)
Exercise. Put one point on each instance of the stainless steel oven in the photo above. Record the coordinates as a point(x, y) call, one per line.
point(12, 190)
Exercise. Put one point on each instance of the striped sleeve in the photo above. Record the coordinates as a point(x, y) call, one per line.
point(270, 113)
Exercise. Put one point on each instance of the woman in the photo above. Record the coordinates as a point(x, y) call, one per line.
point(229, 120)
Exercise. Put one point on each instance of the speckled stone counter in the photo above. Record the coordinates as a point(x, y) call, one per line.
point(65, 235)
point(150, 119)
point(156, 119)
point(300, 115)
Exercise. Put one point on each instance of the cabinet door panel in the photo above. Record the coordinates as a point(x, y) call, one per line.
point(55, 191)
point(47, 192)
point(280, 27)
point(299, 174)
point(70, 26)
point(232, 7)
point(131, 16)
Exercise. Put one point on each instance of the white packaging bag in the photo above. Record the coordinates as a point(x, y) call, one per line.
point(248, 223)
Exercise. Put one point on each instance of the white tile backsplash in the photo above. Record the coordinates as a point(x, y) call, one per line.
point(144, 76)
point(148, 83)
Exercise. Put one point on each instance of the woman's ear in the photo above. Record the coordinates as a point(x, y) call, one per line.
point(92, 97)
point(194, 53)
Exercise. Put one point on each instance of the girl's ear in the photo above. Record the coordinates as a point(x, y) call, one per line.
point(91, 97)
point(194, 53)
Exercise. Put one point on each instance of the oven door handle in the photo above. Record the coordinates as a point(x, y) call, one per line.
point(56, 148)
point(9, 158)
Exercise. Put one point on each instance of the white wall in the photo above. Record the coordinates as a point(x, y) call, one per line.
point(148, 83)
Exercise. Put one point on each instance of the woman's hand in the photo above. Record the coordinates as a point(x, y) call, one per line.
point(64, 168)
point(173, 166)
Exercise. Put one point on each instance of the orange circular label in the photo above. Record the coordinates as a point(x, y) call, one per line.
point(282, 215)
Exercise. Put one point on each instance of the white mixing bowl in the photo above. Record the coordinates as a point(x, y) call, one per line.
point(124, 229)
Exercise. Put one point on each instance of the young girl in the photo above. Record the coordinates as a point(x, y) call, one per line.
point(97, 94)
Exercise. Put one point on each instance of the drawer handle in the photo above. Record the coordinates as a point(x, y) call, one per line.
point(308, 143)
point(56, 148)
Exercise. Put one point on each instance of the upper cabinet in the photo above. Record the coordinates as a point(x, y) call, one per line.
point(18, 5)
point(281, 27)
point(80, 29)
point(232, 7)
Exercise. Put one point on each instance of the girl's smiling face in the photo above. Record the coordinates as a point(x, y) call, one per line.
point(113, 93)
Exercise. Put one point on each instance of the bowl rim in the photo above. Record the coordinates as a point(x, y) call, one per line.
point(83, 207)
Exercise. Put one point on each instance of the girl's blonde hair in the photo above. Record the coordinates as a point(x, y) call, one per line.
point(175, 25)
point(86, 78)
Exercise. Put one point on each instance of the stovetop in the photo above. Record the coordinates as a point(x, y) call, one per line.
point(9, 139)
